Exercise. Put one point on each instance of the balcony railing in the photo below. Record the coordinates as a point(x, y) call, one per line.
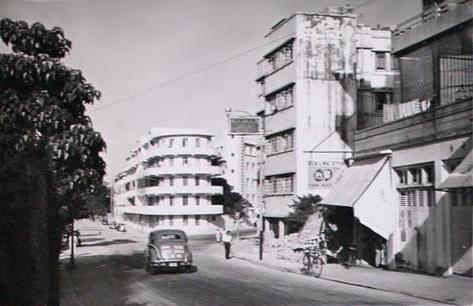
point(193, 170)
point(173, 210)
point(425, 16)
point(161, 190)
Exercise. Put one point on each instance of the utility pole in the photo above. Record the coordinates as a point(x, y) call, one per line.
point(71, 242)
point(251, 125)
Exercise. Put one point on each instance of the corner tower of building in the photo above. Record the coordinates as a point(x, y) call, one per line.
point(166, 183)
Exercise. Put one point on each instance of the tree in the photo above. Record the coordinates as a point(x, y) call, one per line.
point(234, 204)
point(303, 208)
point(44, 126)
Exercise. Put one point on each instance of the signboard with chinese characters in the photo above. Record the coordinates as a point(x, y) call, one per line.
point(325, 174)
point(245, 125)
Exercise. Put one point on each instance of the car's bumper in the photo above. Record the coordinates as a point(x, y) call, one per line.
point(170, 264)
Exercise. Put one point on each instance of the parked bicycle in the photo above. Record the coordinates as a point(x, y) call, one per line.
point(313, 258)
point(346, 256)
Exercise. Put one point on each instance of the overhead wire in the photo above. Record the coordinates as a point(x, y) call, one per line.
point(200, 70)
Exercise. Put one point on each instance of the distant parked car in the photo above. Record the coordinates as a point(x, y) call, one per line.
point(104, 221)
point(121, 227)
point(113, 225)
point(168, 249)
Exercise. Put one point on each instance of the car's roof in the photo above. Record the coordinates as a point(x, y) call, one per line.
point(168, 231)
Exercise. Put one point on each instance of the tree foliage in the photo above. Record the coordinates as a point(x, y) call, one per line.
point(234, 204)
point(43, 103)
point(302, 209)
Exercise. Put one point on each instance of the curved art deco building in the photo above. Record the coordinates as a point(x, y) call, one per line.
point(166, 183)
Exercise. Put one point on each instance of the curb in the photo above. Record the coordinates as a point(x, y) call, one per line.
point(295, 271)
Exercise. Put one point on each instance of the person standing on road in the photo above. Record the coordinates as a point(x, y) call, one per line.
point(227, 242)
point(218, 235)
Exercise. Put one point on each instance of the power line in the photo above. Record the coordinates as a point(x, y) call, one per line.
point(182, 77)
point(192, 73)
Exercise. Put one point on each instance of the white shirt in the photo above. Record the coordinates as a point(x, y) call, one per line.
point(226, 237)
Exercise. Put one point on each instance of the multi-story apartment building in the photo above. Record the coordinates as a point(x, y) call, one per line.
point(411, 179)
point(166, 183)
point(242, 158)
point(308, 92)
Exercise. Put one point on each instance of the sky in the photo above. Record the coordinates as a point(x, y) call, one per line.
point(130, 50)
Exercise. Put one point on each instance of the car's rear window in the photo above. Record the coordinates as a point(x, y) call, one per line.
point(171, 237)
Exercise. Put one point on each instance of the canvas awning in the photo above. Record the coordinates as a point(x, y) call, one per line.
point(462, 176)
point(367, 187)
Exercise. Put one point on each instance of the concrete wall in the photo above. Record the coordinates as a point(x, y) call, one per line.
point(443, 122)
point(429, 242)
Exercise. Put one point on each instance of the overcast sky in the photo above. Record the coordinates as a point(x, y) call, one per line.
point(125, 47)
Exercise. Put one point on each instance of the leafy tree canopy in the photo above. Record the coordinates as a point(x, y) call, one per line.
point(43, 103)
point(302, 209)
point(234, 204)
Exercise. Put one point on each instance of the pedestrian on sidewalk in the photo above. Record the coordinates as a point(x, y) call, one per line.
point(227, 242)
point(218, 235)
point(380, 256)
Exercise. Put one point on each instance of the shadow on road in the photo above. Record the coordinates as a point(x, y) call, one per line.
point(112, 242)
point(91, 239)
point(192, 269)
point(88, 235)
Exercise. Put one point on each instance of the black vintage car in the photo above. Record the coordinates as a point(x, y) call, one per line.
point(168, 249)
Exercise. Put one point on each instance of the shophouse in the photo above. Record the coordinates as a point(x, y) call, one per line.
point(308, 96)
point(410, 181)
point(166, 183)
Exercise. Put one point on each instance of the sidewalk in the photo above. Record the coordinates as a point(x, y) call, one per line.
point(454, 290)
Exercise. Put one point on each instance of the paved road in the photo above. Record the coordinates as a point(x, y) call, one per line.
point(110, 272)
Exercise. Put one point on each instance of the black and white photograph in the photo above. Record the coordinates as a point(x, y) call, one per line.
point(236, 152)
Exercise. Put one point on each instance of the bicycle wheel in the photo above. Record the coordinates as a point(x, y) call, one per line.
point(317, 267)
point(307, 264)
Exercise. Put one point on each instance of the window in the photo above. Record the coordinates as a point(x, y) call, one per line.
point(171, 161)
point(381, 98)
point(197, 142)
point(185, 181)
point(185, 161)
point(185, 219)
point(281, 99)
point(171, 200)
point(247, 165)
point(185, 200)
point(232, 155)
point(280, 57)
point(415, 175)
point(232, 171)
point(171, 142)
point(197, 219)
point(279, 184)
point(209, 218)
point(171, 181)
point(197, 181)
point(380, 60)
point(280, 142)
point(184, 142)
point(197, 200)
point(171, 220)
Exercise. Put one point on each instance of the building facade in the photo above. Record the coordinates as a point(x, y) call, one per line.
point(166, 183)
point(307, 89)
point(242, 158)
point(413, 169)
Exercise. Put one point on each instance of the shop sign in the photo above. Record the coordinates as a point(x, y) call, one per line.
point(325, 174)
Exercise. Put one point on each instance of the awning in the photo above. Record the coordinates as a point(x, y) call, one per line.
point(367, 187)
point(462, 176)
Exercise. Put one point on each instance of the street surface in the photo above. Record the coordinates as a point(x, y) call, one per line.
point(109, 271)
